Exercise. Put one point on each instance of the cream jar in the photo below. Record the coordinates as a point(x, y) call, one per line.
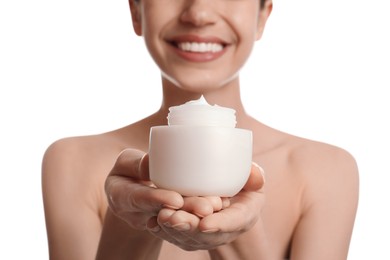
point(200, 152)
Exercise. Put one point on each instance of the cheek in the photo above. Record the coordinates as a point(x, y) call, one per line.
point(151, 31)
point(246, 26)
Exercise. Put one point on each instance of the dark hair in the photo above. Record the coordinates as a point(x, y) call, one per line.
point(262, 3)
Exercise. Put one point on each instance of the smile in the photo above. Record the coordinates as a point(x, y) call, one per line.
point(201, 47)
point(194, 48)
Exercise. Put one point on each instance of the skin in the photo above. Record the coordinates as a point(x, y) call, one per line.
point(99, 201)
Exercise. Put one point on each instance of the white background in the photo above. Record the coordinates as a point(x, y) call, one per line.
point(75, 67)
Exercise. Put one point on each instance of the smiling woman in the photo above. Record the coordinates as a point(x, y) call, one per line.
point(231, 26)
point(101, 204)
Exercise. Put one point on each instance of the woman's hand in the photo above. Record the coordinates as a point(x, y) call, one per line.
point(133, 198)
point(191, 223)
point(193, 232)
point(131, 195)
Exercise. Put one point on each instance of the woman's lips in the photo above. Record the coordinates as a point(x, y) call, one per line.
point(198, 49)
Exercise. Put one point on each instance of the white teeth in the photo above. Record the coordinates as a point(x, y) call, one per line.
point(200, 46)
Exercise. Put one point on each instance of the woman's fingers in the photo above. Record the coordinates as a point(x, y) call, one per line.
point(240, 216)
point(132, 163)
point(166, 213)
point(180, 228)
point(125, 195)
point(204, 206)
point(131, 196)
point(127, 190)
point(256, 178)
point(207, 222)
point(179, 220)
point(136, 203)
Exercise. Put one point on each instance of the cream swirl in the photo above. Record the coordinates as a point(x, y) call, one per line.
point(200, 113)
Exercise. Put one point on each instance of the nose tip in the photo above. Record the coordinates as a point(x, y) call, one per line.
point(198, 13)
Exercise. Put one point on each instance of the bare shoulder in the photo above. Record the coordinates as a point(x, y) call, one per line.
point(325, 170)
point(74, 169)
point(80, 151)
point(80, 157)
point(313, 159)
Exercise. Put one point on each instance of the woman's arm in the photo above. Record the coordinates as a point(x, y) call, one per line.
point(331, 197)
point(72, 216)
point(120, 241)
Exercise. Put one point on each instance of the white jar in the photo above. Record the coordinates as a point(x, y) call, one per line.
point(200, 152)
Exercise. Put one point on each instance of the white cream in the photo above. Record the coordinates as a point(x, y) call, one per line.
point(199, 112)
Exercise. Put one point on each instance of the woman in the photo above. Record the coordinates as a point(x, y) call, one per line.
point(100, 203)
